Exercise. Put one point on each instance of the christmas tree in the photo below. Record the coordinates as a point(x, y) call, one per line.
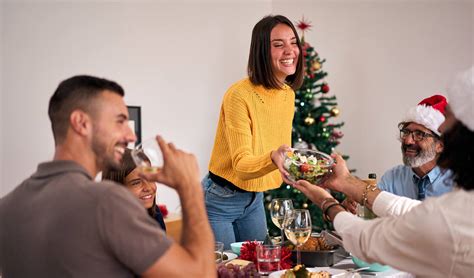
point(312, 128)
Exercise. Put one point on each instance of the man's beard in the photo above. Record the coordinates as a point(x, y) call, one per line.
point(424, 155)
point(104, 160)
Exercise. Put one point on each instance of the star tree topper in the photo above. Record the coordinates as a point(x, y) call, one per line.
point(303, 25)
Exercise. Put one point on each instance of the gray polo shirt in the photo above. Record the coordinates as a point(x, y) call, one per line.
point(60, 223)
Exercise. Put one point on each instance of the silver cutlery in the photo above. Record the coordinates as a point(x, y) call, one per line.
point(351, 271)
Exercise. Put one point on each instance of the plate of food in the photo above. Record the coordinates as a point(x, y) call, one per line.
point(310, 165)
point(226, 256)
point(302, 271)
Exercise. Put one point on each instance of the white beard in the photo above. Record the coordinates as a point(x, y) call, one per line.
point(422, 158)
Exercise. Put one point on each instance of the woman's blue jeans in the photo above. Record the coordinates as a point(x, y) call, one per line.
point(234, 216)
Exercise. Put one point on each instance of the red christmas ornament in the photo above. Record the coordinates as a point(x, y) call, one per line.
point(163, 210)
point(337, 134)
point(325, 88)
point(305, 46)
point(322, 119)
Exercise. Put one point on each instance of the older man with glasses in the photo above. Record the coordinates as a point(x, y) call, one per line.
point(419, 177)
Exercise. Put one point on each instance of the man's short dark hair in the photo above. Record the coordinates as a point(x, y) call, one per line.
point(259, 69)
point(77, 92)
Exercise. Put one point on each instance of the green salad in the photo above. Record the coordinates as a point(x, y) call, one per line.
point(305, 165)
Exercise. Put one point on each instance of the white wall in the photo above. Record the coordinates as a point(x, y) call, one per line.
point(176, 59)
point(1, 97)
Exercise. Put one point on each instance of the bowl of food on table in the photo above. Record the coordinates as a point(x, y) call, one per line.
point(316, 252)
point(310, 165)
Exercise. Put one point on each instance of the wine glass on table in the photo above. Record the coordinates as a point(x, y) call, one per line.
point(297, 226)
point(278, 210)
point(147, 156)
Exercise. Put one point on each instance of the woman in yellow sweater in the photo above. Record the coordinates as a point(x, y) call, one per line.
point(253, 133)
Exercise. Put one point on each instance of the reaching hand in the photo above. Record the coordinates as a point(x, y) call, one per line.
point(350, 205)
point(278, 158)
point(338, 180)
point(315, 193)
point(180, 169)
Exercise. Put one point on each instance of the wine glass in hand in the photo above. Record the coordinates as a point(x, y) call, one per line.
point(278, 209)
point(147, 156)
point(297, 227)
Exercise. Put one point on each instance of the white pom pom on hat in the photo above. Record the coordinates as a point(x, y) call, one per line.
point(461, 97)
point(429, 113)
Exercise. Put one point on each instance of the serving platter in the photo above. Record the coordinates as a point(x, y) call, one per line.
point(278, 274)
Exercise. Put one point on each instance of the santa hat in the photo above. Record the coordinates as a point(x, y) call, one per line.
point(429, 113)
point(461, 96)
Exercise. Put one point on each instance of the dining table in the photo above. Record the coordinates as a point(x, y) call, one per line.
point(347, 264)
point(343, 269)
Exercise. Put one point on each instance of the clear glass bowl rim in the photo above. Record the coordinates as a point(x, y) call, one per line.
point(329, 160)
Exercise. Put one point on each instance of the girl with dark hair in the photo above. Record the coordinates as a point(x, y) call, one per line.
point(253, 133)
point(144, 190)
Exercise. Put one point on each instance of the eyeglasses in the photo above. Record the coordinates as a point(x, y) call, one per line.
point(417, 135)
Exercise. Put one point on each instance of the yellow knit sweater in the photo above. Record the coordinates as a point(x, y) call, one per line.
point(253, 121)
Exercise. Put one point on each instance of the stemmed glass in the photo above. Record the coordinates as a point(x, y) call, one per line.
point(147, 156)
point(297, 227)
point(278, 210)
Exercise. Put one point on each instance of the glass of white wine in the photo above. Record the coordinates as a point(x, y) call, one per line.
point(147, 156)
point(297, 227)
point(278, 209)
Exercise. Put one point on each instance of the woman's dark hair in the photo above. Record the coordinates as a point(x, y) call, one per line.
point(126, 167)
point(259, 69)
point(458, 155)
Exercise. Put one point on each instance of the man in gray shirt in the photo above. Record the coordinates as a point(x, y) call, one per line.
point(60, 223)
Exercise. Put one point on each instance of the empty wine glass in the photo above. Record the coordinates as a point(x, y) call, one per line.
point(147, 156)
point(278, 209)
point(297, 227)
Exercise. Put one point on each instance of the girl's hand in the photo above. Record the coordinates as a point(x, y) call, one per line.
point(278, 158)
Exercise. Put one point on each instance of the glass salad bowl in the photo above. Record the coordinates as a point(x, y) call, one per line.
point(310, 165)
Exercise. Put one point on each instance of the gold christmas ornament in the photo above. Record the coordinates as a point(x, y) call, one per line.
point(335, 111)
point(316, 66)
point(309, 120)
point(305, 205)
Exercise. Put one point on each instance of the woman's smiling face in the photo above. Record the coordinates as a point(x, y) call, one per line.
point(144, 190)
point(284, 51)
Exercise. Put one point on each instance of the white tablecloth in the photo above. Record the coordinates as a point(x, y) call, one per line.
point(348, 264)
